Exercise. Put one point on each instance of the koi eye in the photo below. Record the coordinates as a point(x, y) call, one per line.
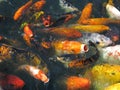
point(97, 42)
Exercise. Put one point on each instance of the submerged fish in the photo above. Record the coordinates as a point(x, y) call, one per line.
point(98, 39)
point(21, 10)
point(38, 5)
point(68, 7)
point(35, 72)
point(112, 11)
point(110, 54)
point(10, 82)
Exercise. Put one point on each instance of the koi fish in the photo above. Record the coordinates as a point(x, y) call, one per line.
point(113, 87)
point(68, 7)
point(100, 21)
point(110, 54)
point(47, 21)
point(98, 39)
point(86, 13)
point(11, 82)
point(67, 82)
point(81, 62)
point(90, 28)
point(113, 12)
point(35, 72)
point(28, 31)
point(74, 83)
point(69, 47)
point(65, 32)
point(22, 10)
point(38, 5)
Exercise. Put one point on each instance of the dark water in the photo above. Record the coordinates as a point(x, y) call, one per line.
point(10, 29)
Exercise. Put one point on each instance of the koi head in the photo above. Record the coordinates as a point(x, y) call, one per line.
point(47, 21)
point(101, 40)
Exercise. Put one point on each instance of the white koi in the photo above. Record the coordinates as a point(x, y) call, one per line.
point(68, 7)
point(113, 12)
point(98, 39)
point(110, 54)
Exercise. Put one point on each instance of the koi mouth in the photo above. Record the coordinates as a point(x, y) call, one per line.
point(84, 48)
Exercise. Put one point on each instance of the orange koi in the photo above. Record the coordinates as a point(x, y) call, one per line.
point(100, 21)
point(21, 10)
point(28, 31)
point(38, 5)
point(90, 28)
point(10, 82)
point(65, 32)
point(27, 39)
point(110, 2)
point(36, 73)
point(86, 13)
point(47, 21)
point(77, 83)
point(69, 47)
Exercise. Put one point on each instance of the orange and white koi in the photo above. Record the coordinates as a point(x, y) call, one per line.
point(113, 12)
point(110, 54)
point(35, 72)
point(100, 21)
point(22, 10)
point(90, 28)
point(69, 47)
point(86, 13)
point(80, 62)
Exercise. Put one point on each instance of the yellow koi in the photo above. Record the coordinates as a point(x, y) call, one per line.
point(100, 21)
point(90, 28)
point(86, 13)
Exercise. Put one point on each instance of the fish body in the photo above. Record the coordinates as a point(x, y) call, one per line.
point(98, 39)
point(113, 12)
point(100, 21)
point(28, 31)
point(65, 32)
point(86, 13)
point(69, 47)
point(36, 73)
point(38, 5)
point(110, 54)
point(21, 10)
point(67, 82)
point(90, 28)
point(11, 82)
point(68, 7)
point(113, 87)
